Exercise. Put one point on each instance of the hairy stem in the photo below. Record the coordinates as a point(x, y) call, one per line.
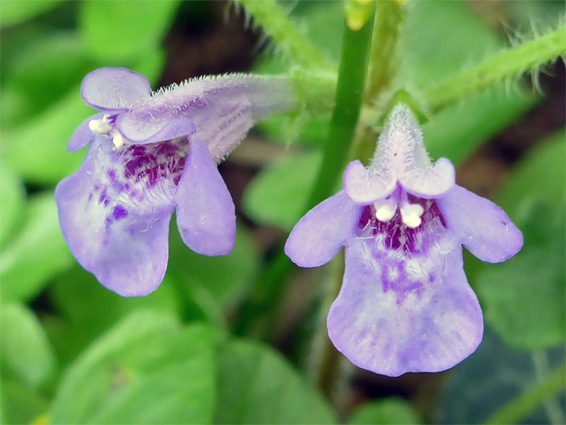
point(516, 409)
point(509, 63)
point(383, 59)
point(383, 64)
point(274, 21)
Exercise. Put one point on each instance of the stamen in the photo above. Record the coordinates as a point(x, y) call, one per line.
point(102, 126)
point(411, 214)
point(118, 140)
point(385, 209)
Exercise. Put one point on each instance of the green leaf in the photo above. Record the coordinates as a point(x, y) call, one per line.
point(12, 199)
point(80, 298)
point(20, 404)
point(278, 195)
point(457, 131)
point(387, 411)
point(523, 298)
point(18, 11)
point(118, 31)
point(256, 385)
point(544, 164)
point(490, 378)
point(145, 370)
point(36, 254)
point(25, 350)
point(38, 152)
point(40, 73)
point(441, 38)
point(89, 309)
point(527, 319)
point(426, 29)
point(215, 283)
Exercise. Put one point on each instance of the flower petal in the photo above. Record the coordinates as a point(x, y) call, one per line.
point(222, 126)
point(397, 314)
point(206, 215)
point(430, 182)
point(319, 236)
point(365, 187)
point(401, 154)
point(152, 130)
point(112, 89)
point(484, 228)
point(126, 247)
point(83, 136)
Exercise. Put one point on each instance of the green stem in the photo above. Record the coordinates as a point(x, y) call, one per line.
point(551, 405)
point(349, 98)
point(509, 63)
point(383, 59)
point(274, 21)
point(315, 90)
point(513, 411)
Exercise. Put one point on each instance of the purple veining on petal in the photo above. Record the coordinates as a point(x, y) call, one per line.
point(122, 239)
point(395, 235)
point(398, 313)
point(150, 164)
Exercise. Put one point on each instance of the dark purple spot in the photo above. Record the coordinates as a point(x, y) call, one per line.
point(119, 212)
point(112, 175)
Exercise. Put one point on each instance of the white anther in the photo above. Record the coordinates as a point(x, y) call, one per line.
point(411, 215)
point(102, 126)
point(385, 209)
point(118, 140)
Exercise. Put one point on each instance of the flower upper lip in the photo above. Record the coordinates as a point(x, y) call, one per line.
point(400, 158)
point(204, 107)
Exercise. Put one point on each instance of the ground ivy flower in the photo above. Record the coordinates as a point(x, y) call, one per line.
point(405, 304)
point(151, 154)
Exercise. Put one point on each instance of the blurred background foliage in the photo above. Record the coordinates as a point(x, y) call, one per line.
point(73, 352)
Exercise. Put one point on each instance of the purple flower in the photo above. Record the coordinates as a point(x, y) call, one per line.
point(405, 304)
point(151, 154)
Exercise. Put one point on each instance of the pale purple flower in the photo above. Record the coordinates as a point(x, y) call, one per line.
point(151, 154)
point(405, 304)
